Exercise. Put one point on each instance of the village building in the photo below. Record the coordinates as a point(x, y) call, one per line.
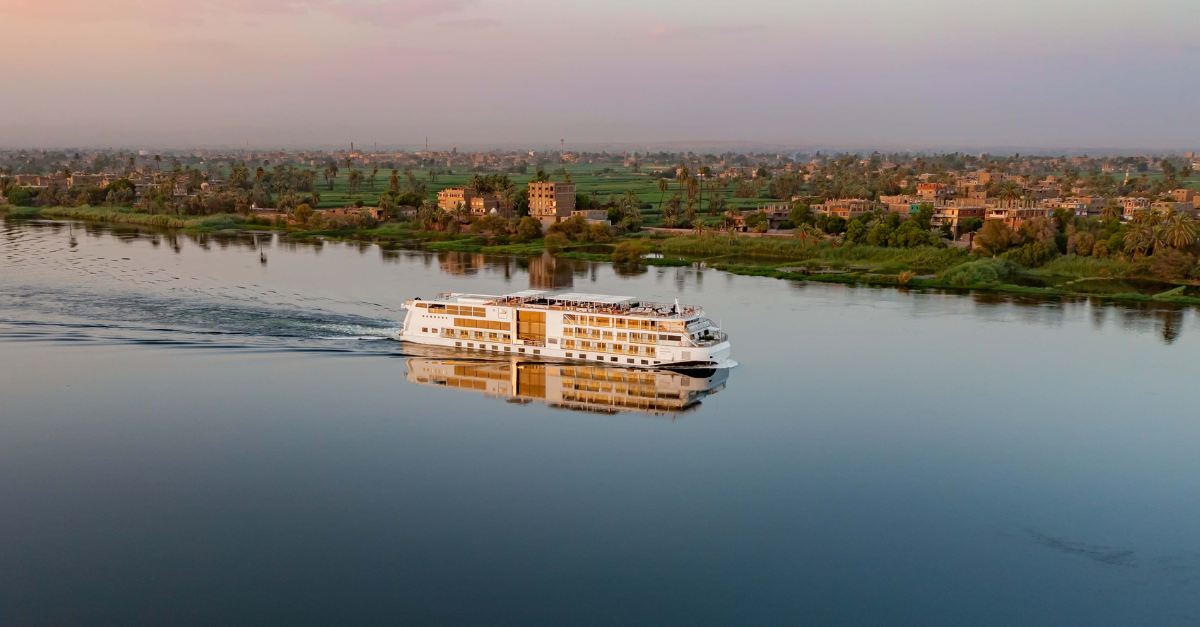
point(452, 198)
point(551, 202)
point(592, 216)
point(489, 204)
point(847, 208)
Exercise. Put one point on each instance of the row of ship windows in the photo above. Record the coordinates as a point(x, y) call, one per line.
point(646, 338)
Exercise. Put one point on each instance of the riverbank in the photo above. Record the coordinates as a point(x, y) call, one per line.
point(925, 267)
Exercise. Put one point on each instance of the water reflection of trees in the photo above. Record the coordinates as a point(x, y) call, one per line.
point(1163, 319)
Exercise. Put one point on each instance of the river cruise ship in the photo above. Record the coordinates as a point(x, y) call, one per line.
point(594, 328)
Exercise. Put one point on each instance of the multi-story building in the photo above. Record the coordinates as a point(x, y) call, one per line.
point(1015, 213)
point(846, 208)
point(488, 204)
point(954, 212)
point(551, 202)
point(933, 191)
point(452, 198)
point(1131, 205)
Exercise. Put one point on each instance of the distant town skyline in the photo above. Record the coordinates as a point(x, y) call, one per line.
point(923, 75)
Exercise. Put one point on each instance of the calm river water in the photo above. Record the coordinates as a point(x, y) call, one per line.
point(191, 436)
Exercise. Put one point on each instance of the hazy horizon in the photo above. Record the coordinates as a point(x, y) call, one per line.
point(1074, 76)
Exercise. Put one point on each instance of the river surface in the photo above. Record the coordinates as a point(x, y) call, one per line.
point(223, 431)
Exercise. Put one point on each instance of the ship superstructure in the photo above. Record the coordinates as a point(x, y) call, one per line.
point(535, 324)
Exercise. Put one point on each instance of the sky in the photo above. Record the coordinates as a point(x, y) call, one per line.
point(478, 74)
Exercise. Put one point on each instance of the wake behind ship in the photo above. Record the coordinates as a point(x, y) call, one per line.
point(535, 324)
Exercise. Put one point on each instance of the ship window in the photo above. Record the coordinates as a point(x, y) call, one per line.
point(613, 358)
point(537, 352)
point(600, 357)
point(470, 345)
point(553, 340)
point(520, 350)
point(424, 329)
point(458, 343)
point(629, 360)
point(644, 362)
point(568, 354)
point(422, 305)
point(581, 356)
point(508, 349)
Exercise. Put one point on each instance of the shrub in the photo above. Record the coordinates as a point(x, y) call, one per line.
point(1168, 263)
point(529, 229)
point(555, 241)
point(19, 197)
point(601, 233)
point(628, 252)
point(977, 273)
point(1032, 255)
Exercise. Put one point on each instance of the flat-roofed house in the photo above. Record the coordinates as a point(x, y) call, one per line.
point(488, 204)
point(846, 208)
point(1131, 205)
point(452, 198)
point(551, 202)
point(1015, 213)
point(593, 216)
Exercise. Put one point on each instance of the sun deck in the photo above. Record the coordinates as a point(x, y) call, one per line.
point(579, 302)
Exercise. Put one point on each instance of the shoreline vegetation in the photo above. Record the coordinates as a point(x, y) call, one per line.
point(1140, 278)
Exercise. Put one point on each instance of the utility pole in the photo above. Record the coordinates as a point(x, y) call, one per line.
point(427, 144)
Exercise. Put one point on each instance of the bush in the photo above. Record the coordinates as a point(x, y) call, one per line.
point(628, 252)
point(20, 197)
point(979, 272)
point(529, 229)
point(555, 241)
point(1168, 263)
point(601, 233)
point(1032, 255)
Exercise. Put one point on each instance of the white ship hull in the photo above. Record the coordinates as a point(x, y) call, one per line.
point(525, 327)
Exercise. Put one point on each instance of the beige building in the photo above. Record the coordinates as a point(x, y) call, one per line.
point(847, 208)
point(551, 202)
point(451, 198)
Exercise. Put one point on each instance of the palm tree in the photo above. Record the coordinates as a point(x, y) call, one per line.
point(691, 209)
point(394, 182)
point(663, 186)
point(1157, 236)
point(371, 179)
point(1110, 211)
point(1181, 230)
point(699, 228)
point(1010, 190)
point(671, 212)
point(630, 204)
point(682, 176)
point(462, 213)
point(716, 206)
point(158, 161)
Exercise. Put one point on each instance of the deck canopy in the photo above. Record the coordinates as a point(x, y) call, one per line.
point(595, 299)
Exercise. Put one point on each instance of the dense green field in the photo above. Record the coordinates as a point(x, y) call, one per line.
point(589, 179)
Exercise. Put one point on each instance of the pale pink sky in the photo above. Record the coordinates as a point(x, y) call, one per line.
point(175, 73)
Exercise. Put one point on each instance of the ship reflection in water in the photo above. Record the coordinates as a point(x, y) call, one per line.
point(588, 388)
